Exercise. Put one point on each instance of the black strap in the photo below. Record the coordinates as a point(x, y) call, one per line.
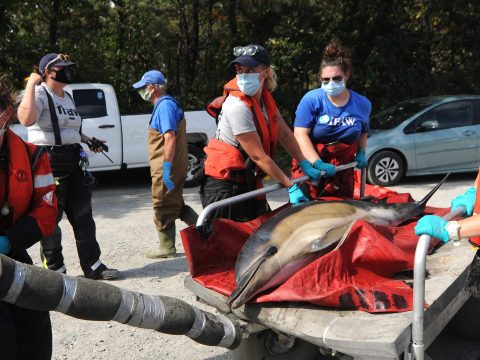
point(54, 119)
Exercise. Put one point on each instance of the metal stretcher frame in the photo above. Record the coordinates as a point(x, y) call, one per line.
point(417, 348)
point(203, 217)
point(419, 270)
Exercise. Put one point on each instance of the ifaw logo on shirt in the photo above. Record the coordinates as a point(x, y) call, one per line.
point(336, 121)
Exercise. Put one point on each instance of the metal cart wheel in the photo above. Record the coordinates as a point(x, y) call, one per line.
point(269, 345)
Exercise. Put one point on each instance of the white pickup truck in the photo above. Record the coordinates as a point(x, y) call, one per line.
point(126, 135)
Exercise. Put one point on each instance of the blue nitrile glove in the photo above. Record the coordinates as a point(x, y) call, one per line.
point(167, 165)
point(361, 159)
point(309, 170)
point(432, 225)
point(296, 195)
point(323, 166)
point(467, 200)
point(5, 246)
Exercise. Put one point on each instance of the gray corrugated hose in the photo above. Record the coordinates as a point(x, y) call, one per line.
point(34, 288)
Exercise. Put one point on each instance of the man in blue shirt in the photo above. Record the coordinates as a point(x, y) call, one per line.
point(168, 155)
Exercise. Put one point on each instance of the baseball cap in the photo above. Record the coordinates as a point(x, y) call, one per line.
point(150, 77)
point(251, 56)
point(54, 59)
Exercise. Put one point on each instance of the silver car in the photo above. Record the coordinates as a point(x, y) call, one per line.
point(431, 135)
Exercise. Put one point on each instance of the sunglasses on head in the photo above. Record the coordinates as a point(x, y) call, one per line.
point(62, 57)
point(249, 50)
point(337, 79)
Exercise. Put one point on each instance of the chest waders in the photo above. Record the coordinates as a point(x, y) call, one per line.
point(168, 205)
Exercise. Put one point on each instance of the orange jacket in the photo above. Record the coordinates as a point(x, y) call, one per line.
point(222, 157)
point(31, 195)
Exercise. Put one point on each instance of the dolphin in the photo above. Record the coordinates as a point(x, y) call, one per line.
point(298, 235)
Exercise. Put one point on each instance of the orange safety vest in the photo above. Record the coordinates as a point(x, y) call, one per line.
point(475, 240)
point(29, 194)
point(223, 157)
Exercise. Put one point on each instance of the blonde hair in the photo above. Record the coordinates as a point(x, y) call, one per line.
point(271, 79)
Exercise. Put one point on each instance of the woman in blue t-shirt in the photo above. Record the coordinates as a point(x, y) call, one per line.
point(331, 125)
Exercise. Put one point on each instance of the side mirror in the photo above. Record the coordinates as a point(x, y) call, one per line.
point(428, 125)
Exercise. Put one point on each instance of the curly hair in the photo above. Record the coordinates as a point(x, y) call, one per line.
point(7, 94)
point(271, 79)
point(335, 54)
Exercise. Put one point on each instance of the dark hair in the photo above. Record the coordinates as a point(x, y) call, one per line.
point(335, 54)
point(7, 94)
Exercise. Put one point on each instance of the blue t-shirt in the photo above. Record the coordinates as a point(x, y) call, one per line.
point(330, 123)
point(166, 115)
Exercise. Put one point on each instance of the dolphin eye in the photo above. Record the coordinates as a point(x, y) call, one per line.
point(272, 250)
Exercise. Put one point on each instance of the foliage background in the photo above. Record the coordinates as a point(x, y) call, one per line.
point(400, 49)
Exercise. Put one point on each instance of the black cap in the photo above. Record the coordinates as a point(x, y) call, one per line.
point(260, 56)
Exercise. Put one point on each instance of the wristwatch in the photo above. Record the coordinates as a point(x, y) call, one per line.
point(453, 230)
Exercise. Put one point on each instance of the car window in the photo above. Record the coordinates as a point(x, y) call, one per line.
point(397, 114)
point(90, 103)
point(446, 116)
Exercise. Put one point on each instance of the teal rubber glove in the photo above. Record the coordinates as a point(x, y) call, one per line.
point(296, 195)
point(432, 225)
point(467, 200)
point(361, 159)
point(309, 170)
point(5, 246)
point(167, 166)
point(322, 166)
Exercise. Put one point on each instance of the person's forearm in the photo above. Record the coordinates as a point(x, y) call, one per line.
point(289, 142)
point(169, 147)
point(362, 143)
point(270, 168)
point(470, 226)
point(306, 146)
point(27, 110)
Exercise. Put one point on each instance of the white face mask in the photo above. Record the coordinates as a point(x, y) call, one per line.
point(4, 127)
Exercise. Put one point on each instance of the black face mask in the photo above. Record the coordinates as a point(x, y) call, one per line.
point(64, 75)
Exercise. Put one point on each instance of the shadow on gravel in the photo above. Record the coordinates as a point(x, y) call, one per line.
point(158, 269)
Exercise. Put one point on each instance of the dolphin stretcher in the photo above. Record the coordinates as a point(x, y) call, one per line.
point(350, 333)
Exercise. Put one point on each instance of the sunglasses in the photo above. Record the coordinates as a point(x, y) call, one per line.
point(336, 79)
point(249, 50)
point(62, 57)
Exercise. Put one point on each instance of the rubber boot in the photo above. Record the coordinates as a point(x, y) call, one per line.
point(188, 215)
point(166, 247)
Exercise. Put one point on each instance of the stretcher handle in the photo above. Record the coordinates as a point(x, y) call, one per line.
point(203, 217)
point(419, 270)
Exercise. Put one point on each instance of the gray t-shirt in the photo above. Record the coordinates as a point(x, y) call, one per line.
point(69, 120)
point(235, 119)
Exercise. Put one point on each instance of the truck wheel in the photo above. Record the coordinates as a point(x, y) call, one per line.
point(194, 153)
point(266, 345)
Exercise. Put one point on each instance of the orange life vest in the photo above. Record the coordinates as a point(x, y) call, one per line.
point(223, 157)
point(475, 240)
point(30, 194)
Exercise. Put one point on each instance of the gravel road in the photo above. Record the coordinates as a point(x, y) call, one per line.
point(122, 210)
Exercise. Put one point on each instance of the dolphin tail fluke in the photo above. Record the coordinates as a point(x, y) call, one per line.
point(427, 197)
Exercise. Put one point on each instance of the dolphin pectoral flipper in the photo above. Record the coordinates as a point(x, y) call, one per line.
point(249, 272)
point(347, 231)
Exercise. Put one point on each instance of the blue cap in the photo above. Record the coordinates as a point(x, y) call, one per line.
point(150, 77)
point(54, 59)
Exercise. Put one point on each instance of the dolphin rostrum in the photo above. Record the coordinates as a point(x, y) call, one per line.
point(296, 236)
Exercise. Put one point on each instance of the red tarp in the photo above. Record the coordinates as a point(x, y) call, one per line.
point(357, 276)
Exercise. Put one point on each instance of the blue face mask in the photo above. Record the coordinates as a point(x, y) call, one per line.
point(248, 83)
point(334, 88)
